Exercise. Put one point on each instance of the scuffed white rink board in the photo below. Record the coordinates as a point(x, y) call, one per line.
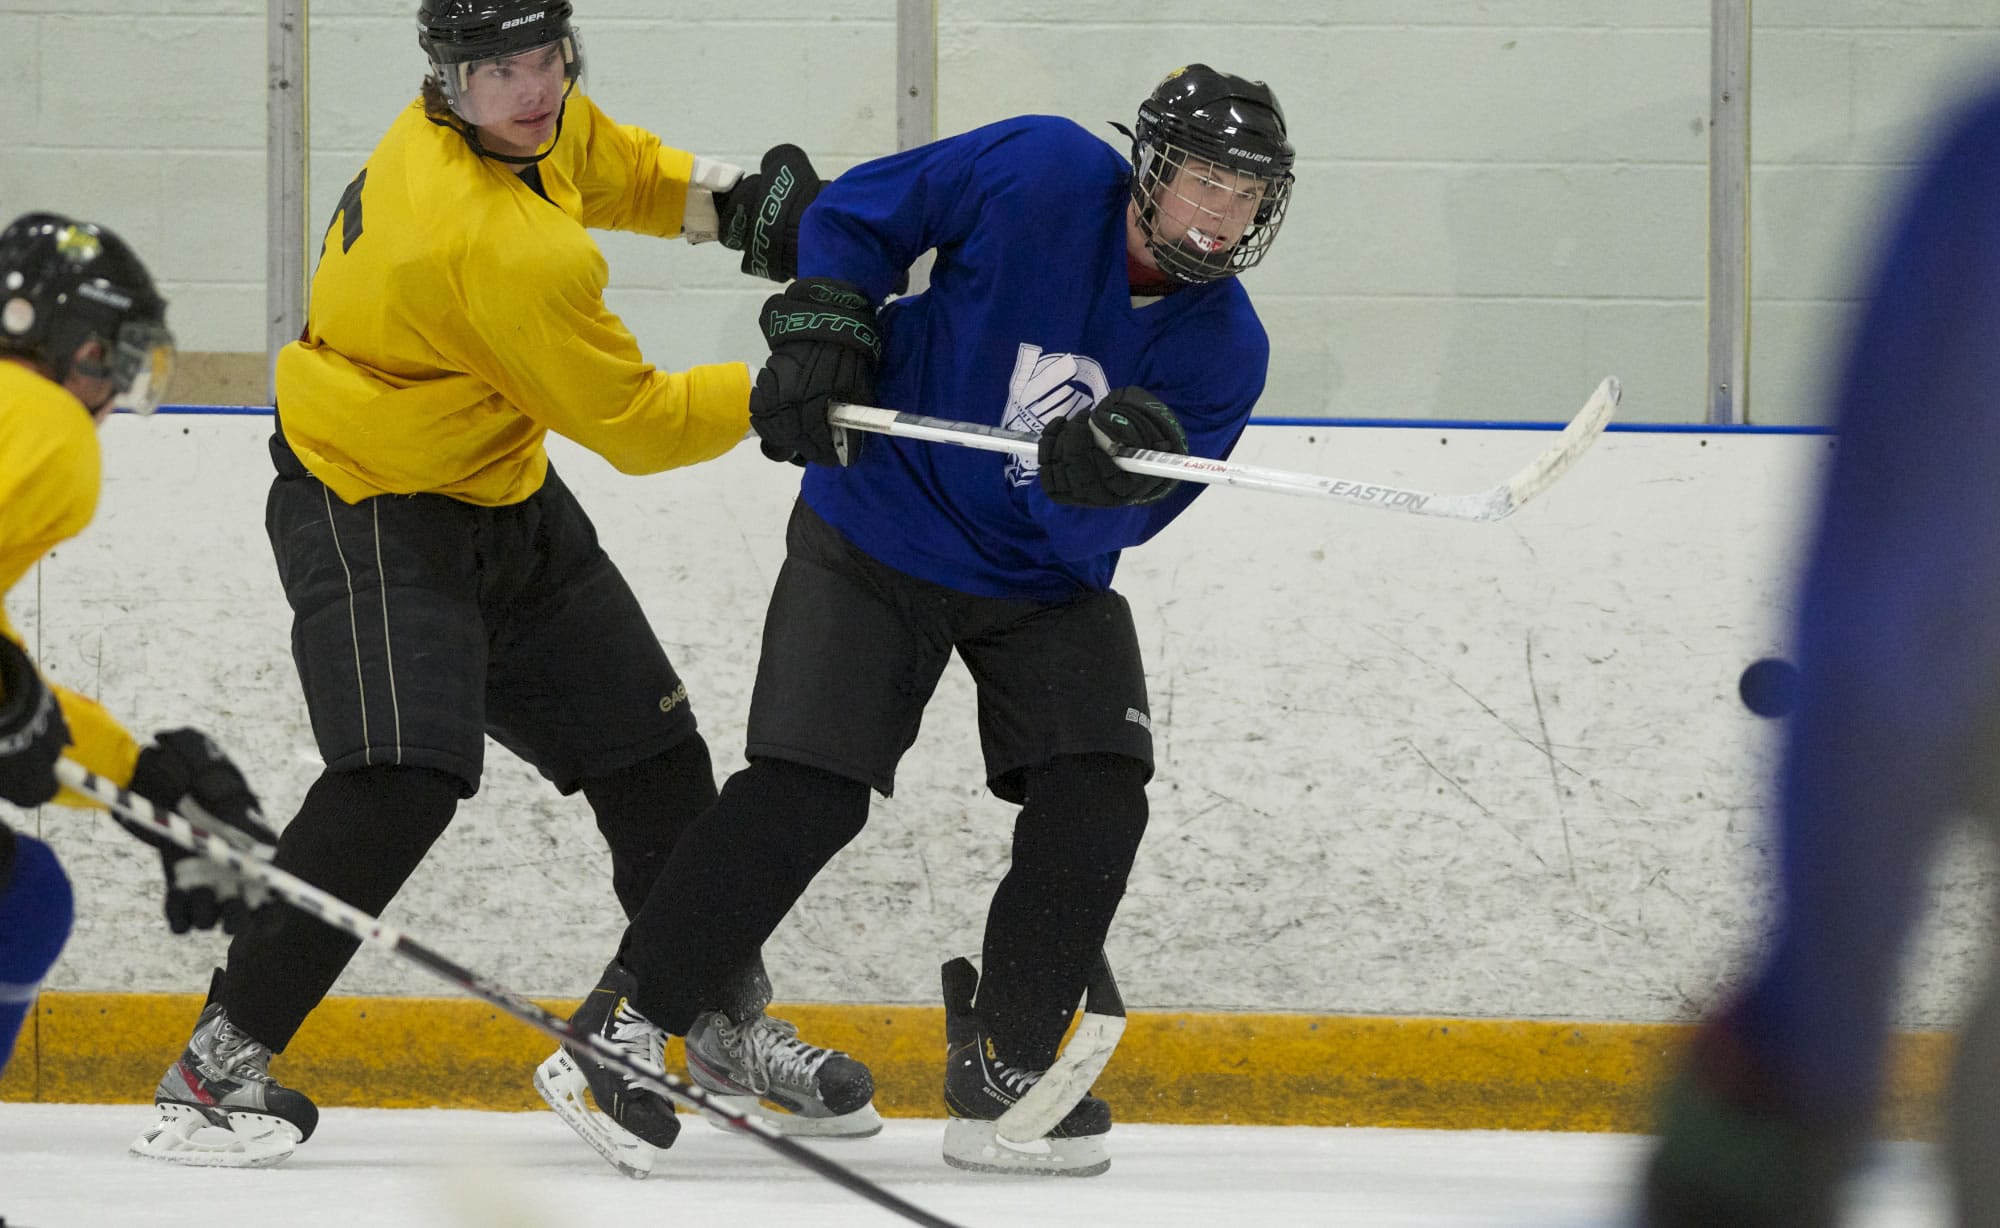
point(1405, 766)
point(378, 1168)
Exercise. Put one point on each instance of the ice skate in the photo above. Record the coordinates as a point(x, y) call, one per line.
point(219, 1106)
point(761, 1068)
point(980, 1086)
point(629, 1126)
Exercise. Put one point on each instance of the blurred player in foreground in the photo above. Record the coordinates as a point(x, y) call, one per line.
point(1897, 731)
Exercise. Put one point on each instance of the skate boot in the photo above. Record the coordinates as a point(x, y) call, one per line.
point(762, 1069)
point(219, 1106)
point(630, 1125)
point(980, 1086)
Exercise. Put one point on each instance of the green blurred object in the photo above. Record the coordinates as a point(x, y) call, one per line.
point(1720, 1164)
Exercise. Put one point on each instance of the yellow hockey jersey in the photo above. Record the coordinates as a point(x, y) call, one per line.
point(49, 477)
point(457, 316)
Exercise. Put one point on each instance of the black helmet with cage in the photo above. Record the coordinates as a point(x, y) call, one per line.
point(460, 35)
point(1211, 121)
point(64, 284)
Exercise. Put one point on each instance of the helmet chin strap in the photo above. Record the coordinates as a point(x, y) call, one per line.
point(470, 131)
point(1149, 221)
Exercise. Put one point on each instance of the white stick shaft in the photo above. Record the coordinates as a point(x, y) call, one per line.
point(252, 862)
point(1495, 504)
point(1083, 1058)
point(1045, 1104)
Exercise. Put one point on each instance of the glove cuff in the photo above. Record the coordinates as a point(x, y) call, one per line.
point(831, 292)
point(157, 777)
point(17, 684)
point(161, 779)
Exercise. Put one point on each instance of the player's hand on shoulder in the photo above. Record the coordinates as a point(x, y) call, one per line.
point(1076, 453)
point(32, 730)
point(760, 215)
point(825, 342)
point(184, 771)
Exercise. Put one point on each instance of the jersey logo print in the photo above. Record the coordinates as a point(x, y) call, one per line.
point(1046, 387)
point(348, 214)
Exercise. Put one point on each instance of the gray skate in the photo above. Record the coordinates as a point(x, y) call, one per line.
point(219, 1106)
point(761, 1068)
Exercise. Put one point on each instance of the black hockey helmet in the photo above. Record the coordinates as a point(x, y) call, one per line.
point(457, 34)
point(64, 283)
point(1226, 122)
point(459, 31)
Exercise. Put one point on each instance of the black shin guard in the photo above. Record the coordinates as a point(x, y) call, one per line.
point(1074, 844)
point(359, 835)
point(642, 812)
point(643, 809)
point(733, 877)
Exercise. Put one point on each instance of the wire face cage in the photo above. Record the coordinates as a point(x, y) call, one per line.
point(1204, 220)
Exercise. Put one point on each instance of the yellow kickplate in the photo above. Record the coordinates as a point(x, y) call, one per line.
point(1215, 1068)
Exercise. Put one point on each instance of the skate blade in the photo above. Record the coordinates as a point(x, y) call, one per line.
point(863, 1122)
point(975, 1147)
point(186, 1135)
point(561, 1085)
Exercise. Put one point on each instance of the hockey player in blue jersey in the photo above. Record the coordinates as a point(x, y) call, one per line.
point(1073, 295)
point(1894, 734)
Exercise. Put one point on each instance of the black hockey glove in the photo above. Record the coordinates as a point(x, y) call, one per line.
point(824, 346)
point(185, 772)
point(760, 215)
point(1075, 455)
point(32, 730)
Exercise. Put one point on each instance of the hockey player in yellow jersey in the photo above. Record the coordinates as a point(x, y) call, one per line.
point(82, 332)
point(447, 586)
point(458, 313)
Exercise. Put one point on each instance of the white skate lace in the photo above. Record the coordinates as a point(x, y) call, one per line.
point(236, 1055)
point(1016, 1081)
point(636, 1035)
point(773, 1052)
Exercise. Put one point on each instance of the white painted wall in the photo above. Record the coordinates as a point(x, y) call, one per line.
point(1499, 199)
point(1406, 766)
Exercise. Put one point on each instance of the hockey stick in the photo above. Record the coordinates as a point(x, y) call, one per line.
point(1075, 1068)
point(253, 864)
point(1498, 503)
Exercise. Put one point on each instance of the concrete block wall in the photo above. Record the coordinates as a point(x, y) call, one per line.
point(1498, 201)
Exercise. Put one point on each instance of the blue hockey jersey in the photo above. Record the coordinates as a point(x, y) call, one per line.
point(1029, 316)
